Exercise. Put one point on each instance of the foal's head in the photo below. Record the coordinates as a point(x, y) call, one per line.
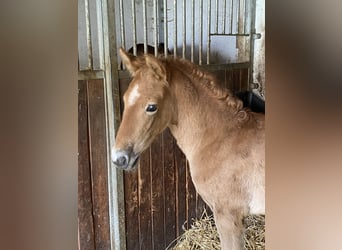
point(148, 109)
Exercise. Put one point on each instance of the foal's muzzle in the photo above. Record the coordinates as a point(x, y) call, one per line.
point(124, 159)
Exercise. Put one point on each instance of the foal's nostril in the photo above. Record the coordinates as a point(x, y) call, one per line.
point(121, 161)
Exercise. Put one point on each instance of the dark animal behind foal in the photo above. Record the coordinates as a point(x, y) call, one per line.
point(150, 49)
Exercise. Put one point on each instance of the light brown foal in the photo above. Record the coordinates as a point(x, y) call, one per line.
point(223, 142)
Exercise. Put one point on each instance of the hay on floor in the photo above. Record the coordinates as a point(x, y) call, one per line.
point(202, 235)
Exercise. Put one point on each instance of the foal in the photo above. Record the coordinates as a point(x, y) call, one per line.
point(223, 142)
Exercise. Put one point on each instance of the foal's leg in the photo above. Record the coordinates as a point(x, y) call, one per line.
point(230, 228)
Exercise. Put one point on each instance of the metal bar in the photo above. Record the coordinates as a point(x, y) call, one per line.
point(193, 29)
point(184, 28)
point(238, 16)
point(200, 49)
point(134, 28)
point(145, 26)
point(245, 16)
point(155, 2)
point(122, 24)
point(224, 16)
point(231, 13)
point(112, 109)
point(251, 51)
point(175, 28)
point(84, 43)
point(217, 15)
point(242, 17)
point(165, 29)
point(214, 67)
point(95, 12)
point(208, 38)
point(91, 74)
point(230, 34)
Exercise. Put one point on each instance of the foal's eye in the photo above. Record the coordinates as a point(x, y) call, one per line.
point(151, 108)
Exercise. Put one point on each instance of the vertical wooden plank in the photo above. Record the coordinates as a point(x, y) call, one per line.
point(220, 76)
point(244, 79)
point(201, 206)
point(96, 118)
point(180, 165)
point(236, 80)
point(144, 191)
point(229, 79)
point(85, 209)
point(169, 188)
point(190, 197)
point(157, 201)
point(131, 209)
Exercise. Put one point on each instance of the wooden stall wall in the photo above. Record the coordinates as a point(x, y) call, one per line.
point(160, 198)
point(93, 218)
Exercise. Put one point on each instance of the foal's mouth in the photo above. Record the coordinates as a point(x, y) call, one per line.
point(135, 163)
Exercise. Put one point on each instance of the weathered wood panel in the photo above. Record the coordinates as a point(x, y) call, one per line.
point(145, 208)
point(85, 206)
point(191, 206)
point(132, 210)
point(169, 184)
point(157, 188)
point(180, 167)
point(98, 161)
point(237, 79)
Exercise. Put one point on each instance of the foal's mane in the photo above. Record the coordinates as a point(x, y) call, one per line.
point(209, 82)
point(205, 79)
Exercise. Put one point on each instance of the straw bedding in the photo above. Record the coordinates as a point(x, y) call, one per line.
point(202, 235)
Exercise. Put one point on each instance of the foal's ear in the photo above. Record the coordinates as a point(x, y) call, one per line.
point(129, 61)
point(156, 66)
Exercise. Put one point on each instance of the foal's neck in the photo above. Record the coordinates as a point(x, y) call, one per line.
point(201, 118)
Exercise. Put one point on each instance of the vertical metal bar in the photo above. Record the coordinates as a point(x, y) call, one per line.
point(200, 50)
point(193, 29)
point(217, 15)
point(84, 40)
point(175, 28)
point(134, 29)
point(96, 31)
point(145, 25)
point(155, 28)
point(112, 109)
point(238, 16)
point(245, 17)
point(208, 32)
point(231, 13)
point(242, 19)
point(224, 16)
point(122, 24)
point(251, 37)
point(184, 28)
point(165, 29)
